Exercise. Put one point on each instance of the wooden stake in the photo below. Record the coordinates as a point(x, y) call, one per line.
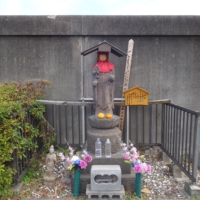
point(126, 81)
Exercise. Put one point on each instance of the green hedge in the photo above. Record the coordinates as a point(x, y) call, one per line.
point(15, 99)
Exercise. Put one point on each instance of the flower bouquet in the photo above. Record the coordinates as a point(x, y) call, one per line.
point(77, 160)
point(132, 157)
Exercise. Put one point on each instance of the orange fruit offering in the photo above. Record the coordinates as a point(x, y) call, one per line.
point(101, 115)
point(108, 116)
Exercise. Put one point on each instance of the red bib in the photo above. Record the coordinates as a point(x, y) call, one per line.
point(105, 67)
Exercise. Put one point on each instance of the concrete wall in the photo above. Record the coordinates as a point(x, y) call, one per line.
point(165, 60)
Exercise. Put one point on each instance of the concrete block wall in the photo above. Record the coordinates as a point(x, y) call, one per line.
point(165, 56)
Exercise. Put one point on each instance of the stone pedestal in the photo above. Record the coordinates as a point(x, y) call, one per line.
point(191, 189)
point(49, 181)
point(127, 180)
point(116, 159)
point(114, 134)
point(104, 194)
point(103, 129)
point(104, 123)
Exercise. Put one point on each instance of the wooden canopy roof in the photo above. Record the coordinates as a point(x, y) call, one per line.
point(104, 47)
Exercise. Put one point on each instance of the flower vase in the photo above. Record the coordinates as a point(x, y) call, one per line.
point(138, 184)
point(76, 186)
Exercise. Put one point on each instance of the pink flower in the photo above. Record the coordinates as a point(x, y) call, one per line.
point(83, 164)
point(133, 159)
point(88, 158)
point(148, 168)
point(143, 167)
point(133, 150)
point(68, 160)
point(137, 169)
point(126, 156)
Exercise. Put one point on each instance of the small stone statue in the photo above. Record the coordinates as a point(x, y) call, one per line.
point(49, 176)
point(50, 162)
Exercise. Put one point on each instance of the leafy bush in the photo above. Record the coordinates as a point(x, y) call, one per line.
point(15, 133)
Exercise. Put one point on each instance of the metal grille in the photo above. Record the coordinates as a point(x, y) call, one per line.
point(145, 125)
point(180, 137)
point(21, 165)
point(173, 128)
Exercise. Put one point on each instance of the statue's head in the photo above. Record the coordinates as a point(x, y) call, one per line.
point(102, 57)
point(51, 150)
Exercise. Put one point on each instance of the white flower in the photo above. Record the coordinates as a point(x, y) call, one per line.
point(74, 158)
point(125, 148)
point(85, 152)
point(138, 161)
point(123, 144)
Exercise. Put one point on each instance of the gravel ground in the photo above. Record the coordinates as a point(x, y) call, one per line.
point(160, 183)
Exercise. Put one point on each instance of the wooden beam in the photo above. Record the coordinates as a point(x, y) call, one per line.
point(80, 103)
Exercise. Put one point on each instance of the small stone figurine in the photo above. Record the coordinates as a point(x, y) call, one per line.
point(49, 176)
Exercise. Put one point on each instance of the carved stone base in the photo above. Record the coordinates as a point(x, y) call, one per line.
point(113, 134)
point(104, 123)
point(49, 181)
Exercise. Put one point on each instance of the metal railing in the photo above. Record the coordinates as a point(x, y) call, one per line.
point(173, 128)
point(21, 165)
point(180, 137)
point(142, 123)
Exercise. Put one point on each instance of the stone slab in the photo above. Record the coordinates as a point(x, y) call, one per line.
point(17, 188)
point(128, 181)
point(176, 171)
point(192, 189)
point(116, 159)
point(104, 194)
point(165, 157)
point(111, 172)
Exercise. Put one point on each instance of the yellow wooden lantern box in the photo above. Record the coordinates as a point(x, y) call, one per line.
point(136, 96)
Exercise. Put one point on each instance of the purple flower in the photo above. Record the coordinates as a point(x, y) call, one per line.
point(137, 169)
point(76, 162)
point(88, 158)
point(83, 164)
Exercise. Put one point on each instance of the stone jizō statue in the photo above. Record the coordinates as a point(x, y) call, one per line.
point(103, 84)
point(103, 123)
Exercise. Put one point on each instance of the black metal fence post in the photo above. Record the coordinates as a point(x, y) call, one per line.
point(196, 146)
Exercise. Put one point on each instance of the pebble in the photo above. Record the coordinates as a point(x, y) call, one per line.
point(160, 182)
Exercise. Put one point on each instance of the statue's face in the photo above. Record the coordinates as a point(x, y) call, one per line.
point(102, 57)
point(51, 150)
